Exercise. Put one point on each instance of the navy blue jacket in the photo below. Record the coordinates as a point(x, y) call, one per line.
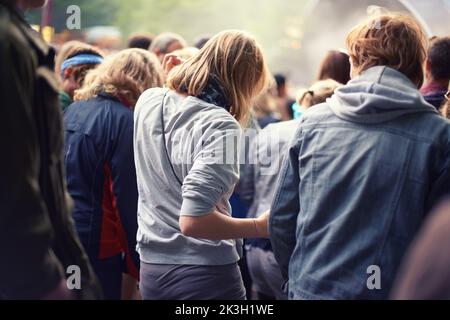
point(101, 176)
point(436, 99)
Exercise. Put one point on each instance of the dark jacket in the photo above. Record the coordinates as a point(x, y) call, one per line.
point(361, 174)
point(425, 273)
point(436, 99)
point(434, 94)
point(101, 177)
point(38, 241)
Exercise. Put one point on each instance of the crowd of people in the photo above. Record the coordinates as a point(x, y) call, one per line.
point(170, 172)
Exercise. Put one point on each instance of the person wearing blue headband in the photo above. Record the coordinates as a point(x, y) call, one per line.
point(80, 60)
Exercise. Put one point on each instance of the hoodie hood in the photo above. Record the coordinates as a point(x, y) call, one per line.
point(378, 95)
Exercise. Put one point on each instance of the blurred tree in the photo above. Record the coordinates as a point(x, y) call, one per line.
point(276, 24)
point(93, 13)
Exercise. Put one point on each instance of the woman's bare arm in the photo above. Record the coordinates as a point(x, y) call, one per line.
point(217, 226)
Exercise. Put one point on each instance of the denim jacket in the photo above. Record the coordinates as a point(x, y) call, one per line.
point(361, 174)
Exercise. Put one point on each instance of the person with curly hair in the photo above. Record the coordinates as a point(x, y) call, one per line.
point(99, 162)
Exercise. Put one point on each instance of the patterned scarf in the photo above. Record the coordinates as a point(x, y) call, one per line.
point(215, 94)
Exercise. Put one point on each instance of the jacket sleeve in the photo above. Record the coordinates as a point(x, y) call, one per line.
point(285, 209)
point(28, 266)
point(123, 172)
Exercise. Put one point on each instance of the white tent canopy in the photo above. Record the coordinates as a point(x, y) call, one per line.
point(327, 23)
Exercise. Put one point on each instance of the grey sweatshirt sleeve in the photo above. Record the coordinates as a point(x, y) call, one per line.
point(215, 169)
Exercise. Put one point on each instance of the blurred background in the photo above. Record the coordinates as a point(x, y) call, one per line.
point(295, 34)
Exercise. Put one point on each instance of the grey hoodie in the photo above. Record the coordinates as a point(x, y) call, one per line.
point(380, 94)
point(191, 170)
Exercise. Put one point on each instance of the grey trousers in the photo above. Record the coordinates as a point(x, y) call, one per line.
point(179, 282)
point(265, 273)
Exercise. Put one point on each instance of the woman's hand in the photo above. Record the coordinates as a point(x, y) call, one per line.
point(170, 61)
point(262, 225)
point(217, 226)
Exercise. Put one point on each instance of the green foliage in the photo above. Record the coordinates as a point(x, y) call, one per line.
point(93, 13)
point(276, 24)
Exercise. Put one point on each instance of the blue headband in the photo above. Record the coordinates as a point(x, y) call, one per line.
point(81, 60)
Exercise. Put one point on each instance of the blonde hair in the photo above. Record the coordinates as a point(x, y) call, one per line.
point(236, 60)
point(126, 74)
point(392, 40)
point(318, 93)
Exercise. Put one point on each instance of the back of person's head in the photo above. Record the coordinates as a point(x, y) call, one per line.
point(235, 61)
point(281, 82)
point(393, 40)
point(201, 41)
point(318, 93)
point(125, 75)
point(166, 43)
point(140, 40)
point(335, 65)
point(71, 49)
point(438, 58)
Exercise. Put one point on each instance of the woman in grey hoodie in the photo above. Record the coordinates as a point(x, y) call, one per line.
point(186, 142)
